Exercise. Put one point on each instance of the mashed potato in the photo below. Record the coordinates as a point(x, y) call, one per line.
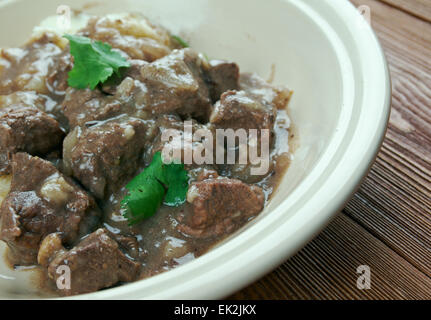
point(127, 24)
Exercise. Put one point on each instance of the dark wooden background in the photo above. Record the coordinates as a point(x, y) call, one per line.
point(387, 224)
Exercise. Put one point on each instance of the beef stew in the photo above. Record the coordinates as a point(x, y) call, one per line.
point(68, 154)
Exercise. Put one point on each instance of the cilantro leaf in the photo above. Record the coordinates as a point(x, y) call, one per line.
point(94, 62)
point(177, 181)
point(141, 203)
point(158, 183)
point(153, 171)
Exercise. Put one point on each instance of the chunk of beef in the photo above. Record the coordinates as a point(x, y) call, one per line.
point(88, 106)
point(239, 110)
point(99, 261)
point(176, 83)
point(42, 201)
point(30, 99)
point(105, 155)
point(35, 67)
point(220, 206)
point(45, 103)
point(270, 95)
point(56, 79)
point(170, 122)
point(278, 154)
point(132, 34)
point(26, 129)
point(221, 77)
point(256, 106)
point(83, 106)
point(185, 83)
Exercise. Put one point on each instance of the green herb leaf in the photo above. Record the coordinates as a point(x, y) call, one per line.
point(148, 189)
point(153, 171)
point(141, 203)
point(181, 41)
point(177, 181)
point(94, 62)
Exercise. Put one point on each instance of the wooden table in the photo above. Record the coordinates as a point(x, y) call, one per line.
point(387, 224)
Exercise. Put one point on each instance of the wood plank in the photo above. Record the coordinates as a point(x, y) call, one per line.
point(326, 269)
point(418, 8)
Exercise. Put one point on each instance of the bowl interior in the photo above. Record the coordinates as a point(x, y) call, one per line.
point(258, 36)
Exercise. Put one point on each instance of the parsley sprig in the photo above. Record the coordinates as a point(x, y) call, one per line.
point(94, 62)
point(158, 183)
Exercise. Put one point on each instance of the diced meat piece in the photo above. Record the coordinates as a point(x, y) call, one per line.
point(26, 129)
point(123, 90)
point(83, 106)
point(173, 84)
point(42, 102)
point(266, 165)
point(267, 94)
point(34, 67)
point(221, 77)
point(132, 34)
point(56, 80)
point(97, 262)
point(42, 201)
point(105, 155)
point(220, 207)
point(30, 99)
point(238, 110)
point(88, 106)
point(176, 83)
point(254, 107)
point(174, 124)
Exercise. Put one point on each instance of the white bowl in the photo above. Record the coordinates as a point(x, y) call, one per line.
point(328, 55)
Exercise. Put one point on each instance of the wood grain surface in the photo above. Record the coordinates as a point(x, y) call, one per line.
point(387, 224)
point(418, 8)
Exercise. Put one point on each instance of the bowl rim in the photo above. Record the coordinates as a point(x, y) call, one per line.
point(276, 237)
